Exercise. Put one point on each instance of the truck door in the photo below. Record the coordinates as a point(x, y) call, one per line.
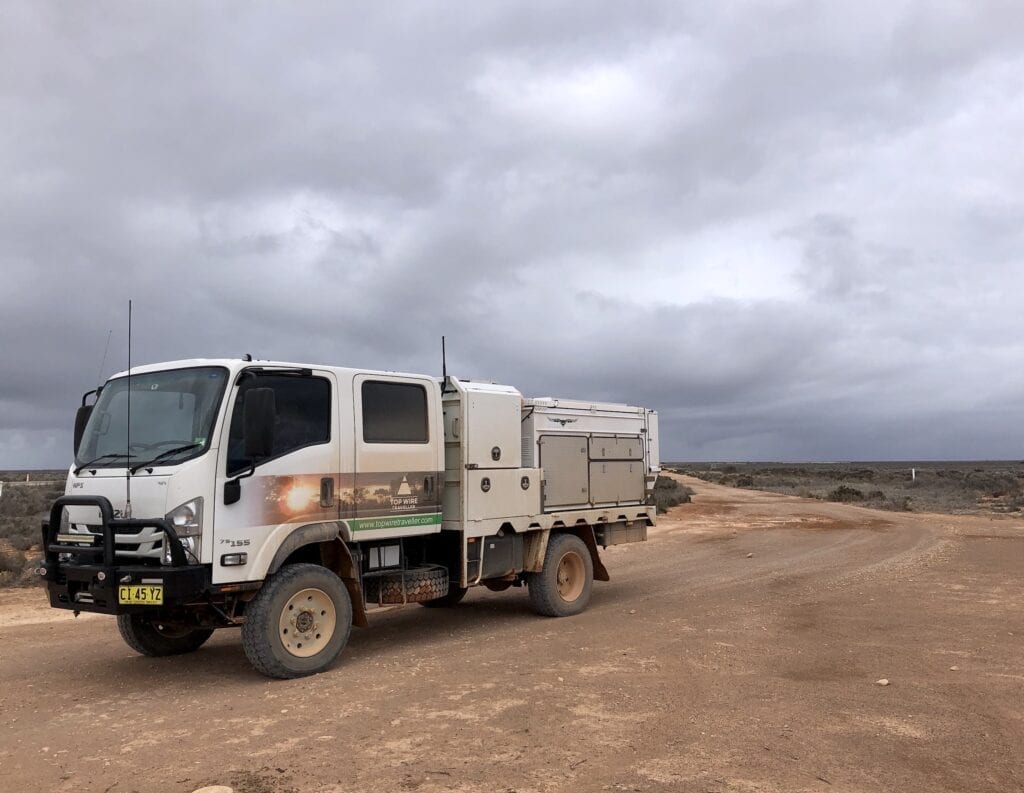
point(298, 484)
point(398, 456)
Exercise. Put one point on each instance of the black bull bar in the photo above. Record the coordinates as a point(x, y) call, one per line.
point(89, 576)
point(55, 543)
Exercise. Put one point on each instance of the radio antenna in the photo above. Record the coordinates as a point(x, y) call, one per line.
point(128, 434)
point(103, 362)
point(444, 370)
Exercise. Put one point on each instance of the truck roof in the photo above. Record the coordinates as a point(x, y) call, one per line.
point(235, 364)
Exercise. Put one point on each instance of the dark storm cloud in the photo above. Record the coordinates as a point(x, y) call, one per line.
point(793, 228)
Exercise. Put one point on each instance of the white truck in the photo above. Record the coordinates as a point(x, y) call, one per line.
point(288, 499)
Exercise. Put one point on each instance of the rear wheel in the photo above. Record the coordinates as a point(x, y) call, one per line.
point(149, 636)
point(298, 623)
point(564, 585)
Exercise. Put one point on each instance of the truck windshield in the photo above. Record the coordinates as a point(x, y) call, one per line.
point(172, 417)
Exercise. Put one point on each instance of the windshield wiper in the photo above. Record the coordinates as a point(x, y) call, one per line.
point(101, 458)
point(165, 455)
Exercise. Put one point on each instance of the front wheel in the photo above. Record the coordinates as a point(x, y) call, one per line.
point(149, 636)
point(298, 623)
point(563, 586)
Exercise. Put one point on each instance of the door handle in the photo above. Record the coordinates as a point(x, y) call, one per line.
point(428, 484)
point(327, 491)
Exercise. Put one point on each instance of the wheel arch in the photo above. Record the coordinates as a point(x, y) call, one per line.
point(586, 533)
point(322, 543)
point(537, 546)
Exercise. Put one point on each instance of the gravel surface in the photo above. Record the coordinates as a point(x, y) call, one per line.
point(742, 648)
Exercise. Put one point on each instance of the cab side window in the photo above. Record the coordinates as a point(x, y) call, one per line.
point(394, 412)
point(303, 415)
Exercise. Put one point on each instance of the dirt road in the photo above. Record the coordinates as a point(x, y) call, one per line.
point(737, 650)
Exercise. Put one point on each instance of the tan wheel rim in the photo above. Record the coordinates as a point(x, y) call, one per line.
point(307, 622)
point(570, 576)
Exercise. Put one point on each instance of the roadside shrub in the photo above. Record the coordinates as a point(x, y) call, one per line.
point(1015, 503)
point(27, 526)
point(11, 561)
point(669, 493)
point(993, 483)
point(744, 481)
point(21, 542)
point(18, 569)
point(28, 575)
point(845, 493)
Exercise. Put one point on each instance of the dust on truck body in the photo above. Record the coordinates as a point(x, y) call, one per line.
point(288, 498)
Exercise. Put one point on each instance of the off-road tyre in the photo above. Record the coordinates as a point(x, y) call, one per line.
point(451, 600)
point(421, 584)
point(565, 583)
point(149, 636)
point(306, 638)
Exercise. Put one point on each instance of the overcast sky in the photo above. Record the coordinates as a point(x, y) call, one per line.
point(794, 228)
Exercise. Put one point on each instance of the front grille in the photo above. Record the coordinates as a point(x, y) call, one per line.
point(144, 545)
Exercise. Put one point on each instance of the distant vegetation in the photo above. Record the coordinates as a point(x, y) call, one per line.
point(23, 505)
point(938, 486)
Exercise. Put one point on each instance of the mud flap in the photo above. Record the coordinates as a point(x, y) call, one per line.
point(535, 545)
point(586, 533)
point(337, 557)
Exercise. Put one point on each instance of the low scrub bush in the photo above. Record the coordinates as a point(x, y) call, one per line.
point(11, 561)
point(845, 493)
point(22, 542)
point(669, 493)
point(23, 506)
point(18, 568)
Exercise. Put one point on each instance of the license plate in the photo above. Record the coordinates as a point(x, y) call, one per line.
point(144, 595)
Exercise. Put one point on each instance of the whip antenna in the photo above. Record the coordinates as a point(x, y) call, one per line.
point(103, 361)
point(128, 435)
point(444, 370)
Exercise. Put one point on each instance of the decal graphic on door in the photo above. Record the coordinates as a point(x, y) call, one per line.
point(381, 500)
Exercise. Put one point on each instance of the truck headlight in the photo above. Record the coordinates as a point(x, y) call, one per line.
point(187, 521)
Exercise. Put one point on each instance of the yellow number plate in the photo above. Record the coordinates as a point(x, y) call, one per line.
point(144, 595)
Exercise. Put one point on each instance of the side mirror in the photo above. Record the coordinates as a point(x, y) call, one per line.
point(233, 490)
point(81, 419)
point(258, 417)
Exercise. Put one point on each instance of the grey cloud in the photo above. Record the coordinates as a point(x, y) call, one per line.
point(588, 203)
